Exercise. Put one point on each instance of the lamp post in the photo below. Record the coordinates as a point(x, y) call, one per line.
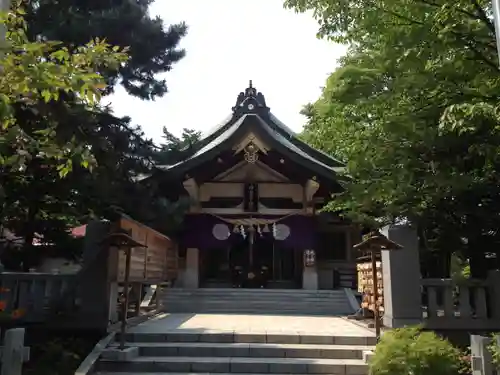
point(373, 243)
point(122, 240)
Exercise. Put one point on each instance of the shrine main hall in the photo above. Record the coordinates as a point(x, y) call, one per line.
point(256, 192)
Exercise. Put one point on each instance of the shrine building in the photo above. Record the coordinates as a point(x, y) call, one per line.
point(256, 190)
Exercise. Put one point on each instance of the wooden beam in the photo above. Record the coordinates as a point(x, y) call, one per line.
point(310, 188)
point(194, 191)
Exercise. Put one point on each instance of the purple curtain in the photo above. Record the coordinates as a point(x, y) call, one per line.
point(198, 232)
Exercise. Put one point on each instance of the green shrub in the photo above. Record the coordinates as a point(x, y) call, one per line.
point(411, 351)
point(495, 349)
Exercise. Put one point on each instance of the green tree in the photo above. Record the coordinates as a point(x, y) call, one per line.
point(36, 201)
point(413, 109)
point(34, 149)
point(36, 73)
point(153, 47)
point(175, 149)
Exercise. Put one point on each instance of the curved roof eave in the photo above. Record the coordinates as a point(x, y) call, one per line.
point(214, 144)
point(295, 150)
point(280, 143)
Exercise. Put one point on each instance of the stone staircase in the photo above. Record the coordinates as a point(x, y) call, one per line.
point(193, 353)
point(249, 301)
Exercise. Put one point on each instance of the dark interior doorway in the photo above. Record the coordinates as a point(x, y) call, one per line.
point(265, 263)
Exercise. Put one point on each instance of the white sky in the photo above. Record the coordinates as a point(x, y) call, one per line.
point(230, 42)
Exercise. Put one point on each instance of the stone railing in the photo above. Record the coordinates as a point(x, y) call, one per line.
point(448, 305)
point(30, 296)
point(472, 305)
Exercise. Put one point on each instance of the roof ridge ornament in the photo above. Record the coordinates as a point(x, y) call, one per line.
point(250, 99)
point(250, 91)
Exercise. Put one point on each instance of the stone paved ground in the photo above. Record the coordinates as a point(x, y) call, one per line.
point(311, 325)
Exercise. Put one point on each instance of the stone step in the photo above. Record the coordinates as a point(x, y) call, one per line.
point(260, 292)
point(255, 303)
point(297, 302)
point(269, 311)
point(341, 305)
point(254, 298)
point(248, 338)
point(200, 349)
point(266, 297)
point(237, 365)
point(256, 290)
point(256, 295)
point(177, 373)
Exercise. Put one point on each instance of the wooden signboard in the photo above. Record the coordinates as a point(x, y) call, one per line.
point(155, 263)
point(365, 285)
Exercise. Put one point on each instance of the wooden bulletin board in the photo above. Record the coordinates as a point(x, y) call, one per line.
point(155, 263)
point(365, 285)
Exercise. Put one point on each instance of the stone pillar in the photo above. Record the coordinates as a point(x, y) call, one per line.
point(113, 302)
point(494, 293)
point(94, 279)
point(481, 358)
point(402, 278)
point(191, 274)
point(310, 278)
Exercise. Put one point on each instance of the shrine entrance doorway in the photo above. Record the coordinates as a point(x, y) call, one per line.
point(261, 263)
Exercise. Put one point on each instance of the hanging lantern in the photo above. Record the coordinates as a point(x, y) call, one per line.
point(309, 258)
point(274, 230)
point(242, 231)
point(235, 229)
point(259, 230)
point(266, 228)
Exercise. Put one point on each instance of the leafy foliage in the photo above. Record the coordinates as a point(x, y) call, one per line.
point(412, 351)
point(153, 48)
point(70, 133)
point(68, 351)
point(176, 149)
point(413, 110)
point(33, 75)
point(494, 348)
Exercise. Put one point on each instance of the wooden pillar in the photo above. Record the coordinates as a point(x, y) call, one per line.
point(348, 244)
point(192, 268)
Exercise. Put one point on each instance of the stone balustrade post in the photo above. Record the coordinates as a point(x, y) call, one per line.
point(494, 293)
point(481, 359)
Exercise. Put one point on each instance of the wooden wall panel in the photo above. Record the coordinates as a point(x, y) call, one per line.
point(156, 263)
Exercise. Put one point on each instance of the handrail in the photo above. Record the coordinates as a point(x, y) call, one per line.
point(452, 282)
